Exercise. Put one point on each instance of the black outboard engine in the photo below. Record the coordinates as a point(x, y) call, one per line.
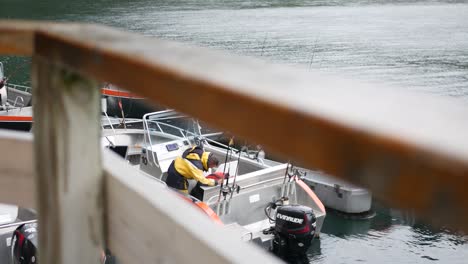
point(24, 244)
point(294, 230)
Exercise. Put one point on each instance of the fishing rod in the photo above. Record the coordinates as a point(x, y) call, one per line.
point(286, 175)
point(235, 174)
point(286, 172)
point(263, 45)
point(313, 52)
point(231, 142)
point(122, 111)
point(221, 188)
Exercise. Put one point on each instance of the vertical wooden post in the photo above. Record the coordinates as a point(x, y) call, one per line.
point(69, 172)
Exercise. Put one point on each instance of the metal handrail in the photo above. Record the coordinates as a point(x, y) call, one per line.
point(17, 223)
point(181, 130)
point(211, 199)
point(148, 136)
point(163, 115)
point(203, 136)
point(16, 100)
point(110, 123)
point(22, 88)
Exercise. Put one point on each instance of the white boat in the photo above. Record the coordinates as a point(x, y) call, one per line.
point(14, 95)
point(264, 204)
point(340, 196)
point(16, 118)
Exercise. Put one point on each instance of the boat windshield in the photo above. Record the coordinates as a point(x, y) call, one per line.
point(170, 124)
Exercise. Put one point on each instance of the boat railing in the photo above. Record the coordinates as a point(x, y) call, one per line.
point(157, 120)
point(15, 224)
point(391, 141)
point(152, 122)
point(18, 87)
point(15, 103)
point(180, 132)
point(10, 107)
point(110, 122)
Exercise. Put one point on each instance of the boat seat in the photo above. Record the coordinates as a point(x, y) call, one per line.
point(240, 231)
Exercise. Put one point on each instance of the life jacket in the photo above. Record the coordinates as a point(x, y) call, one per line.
point(197, 157)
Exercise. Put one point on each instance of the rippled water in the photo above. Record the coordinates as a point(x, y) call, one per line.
point(415, 45)
point(389, 237)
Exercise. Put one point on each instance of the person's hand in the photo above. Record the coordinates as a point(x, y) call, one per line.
point(216, 176)
point(217, 182)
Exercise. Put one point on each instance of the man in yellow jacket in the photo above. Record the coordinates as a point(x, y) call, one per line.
point(191, 165)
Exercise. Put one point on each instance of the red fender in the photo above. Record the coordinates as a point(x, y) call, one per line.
point(311, 193)
point(203, 207)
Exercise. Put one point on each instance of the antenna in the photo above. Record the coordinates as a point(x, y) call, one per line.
point(313, 52)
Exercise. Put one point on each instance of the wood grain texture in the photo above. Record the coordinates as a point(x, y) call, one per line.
point(410, 149)
point(389, 140)
point(17, 36)
point(16, 39)
point(148, 223)
point(68, 165)
point(17, 169)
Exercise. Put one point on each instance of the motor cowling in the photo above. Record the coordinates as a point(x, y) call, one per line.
point(24, 244)
point(294, 230)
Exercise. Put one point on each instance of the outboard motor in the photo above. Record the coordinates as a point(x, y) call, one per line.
point(24, 244)
point(294, 230)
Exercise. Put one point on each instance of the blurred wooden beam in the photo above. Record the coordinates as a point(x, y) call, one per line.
point(17, 173)
point(17, 36)
point(68, 165)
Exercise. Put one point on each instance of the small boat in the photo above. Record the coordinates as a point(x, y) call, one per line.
point(15, 95)
point(339, 196)
point(267, 205)
point(121, 103)
point(14, 112)
point(118, 102)
point(19, 95)
point(16, 118)
point(19, 236)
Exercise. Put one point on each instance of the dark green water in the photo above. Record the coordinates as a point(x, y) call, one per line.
point(417, 45)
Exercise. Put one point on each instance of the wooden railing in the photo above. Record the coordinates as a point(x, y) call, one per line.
point(410, 149)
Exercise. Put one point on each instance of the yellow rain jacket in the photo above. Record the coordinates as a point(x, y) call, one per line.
point(190, 166)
